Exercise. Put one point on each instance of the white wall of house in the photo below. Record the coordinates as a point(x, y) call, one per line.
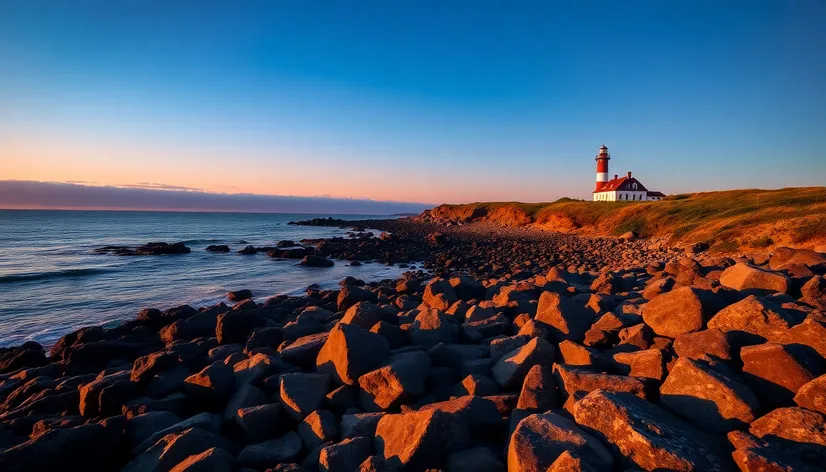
point(613, 196)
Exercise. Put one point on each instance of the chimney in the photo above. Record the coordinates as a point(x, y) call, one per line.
point(629, 175)
point(615, 176)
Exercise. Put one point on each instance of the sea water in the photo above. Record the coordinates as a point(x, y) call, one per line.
point(52, 282)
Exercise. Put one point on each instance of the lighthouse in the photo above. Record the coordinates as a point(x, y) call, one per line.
point(602, 166)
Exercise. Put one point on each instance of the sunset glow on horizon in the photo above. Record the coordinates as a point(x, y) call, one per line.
point(433, 105)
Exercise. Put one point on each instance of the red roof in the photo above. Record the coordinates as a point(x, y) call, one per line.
point(622, 183)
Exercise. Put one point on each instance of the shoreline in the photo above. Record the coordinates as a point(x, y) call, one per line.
point(495, 330)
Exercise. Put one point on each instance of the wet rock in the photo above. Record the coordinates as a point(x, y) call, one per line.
point(421, 439)
point(539, 440)
point(708, 398)
point(644, 436)
point(238, 295)
point(350, 352)
point(316, 261)
point(217, 248)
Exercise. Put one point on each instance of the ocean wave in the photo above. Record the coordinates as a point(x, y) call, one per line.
point(53, 274)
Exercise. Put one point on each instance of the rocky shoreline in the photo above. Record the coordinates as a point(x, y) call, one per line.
point(512, 350)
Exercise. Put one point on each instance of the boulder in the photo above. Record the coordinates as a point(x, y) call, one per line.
point(567, 318)
point(245, 396)
point(316, 261)
point(259, 422)
point(359, 424)
point(318, 428)
point(432, 327)
point(439, 294)
point(234, 326)
point(682, 310)
point(813, 395)
point(351, 352)
point(87, 447)
point(239, 295)
point(345, 456)
point(784, 256)
point(420, 440)
point(742, 276)
point(349, 295)
point(478, 459)
point(304, 350)
point(477, 413)
point(510, 371)
point(539, 440)
point(401, 378)
point(648, 363)
point(538, 390)
point(707, 345)
point(643, 436)
point(776, 371)
point(211, 460)
point(271, 452)
point(571, 353)
point(797, 431)
point(365, 315)
point(708, 398)
point(302, 393)
point(476, 384)
point(467, 288)
point(213, 382)
point(753, 321)
point(576, 380)
point(174, 448)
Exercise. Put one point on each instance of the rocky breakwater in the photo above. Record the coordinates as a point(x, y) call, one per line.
point(694, 364)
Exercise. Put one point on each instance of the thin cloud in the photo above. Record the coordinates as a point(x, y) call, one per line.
point(17, 194)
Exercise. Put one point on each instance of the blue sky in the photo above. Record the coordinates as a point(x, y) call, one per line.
point(413, 101)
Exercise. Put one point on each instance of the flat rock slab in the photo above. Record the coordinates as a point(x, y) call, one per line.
point(643, 435)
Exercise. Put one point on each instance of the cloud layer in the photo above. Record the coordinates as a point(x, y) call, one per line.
point(152, 196)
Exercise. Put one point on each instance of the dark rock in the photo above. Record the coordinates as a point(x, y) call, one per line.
point(539, 440)
point(642, 435)
point(316, 261)
point(218, 248)
point(302, 393)
point(271, 452)
point(510, 371)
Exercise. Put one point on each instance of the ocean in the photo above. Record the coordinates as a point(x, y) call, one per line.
point(52, 282)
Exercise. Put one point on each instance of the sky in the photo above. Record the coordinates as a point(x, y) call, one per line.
point(412, 101)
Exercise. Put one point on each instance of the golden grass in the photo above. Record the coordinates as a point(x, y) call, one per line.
point(730, 219)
